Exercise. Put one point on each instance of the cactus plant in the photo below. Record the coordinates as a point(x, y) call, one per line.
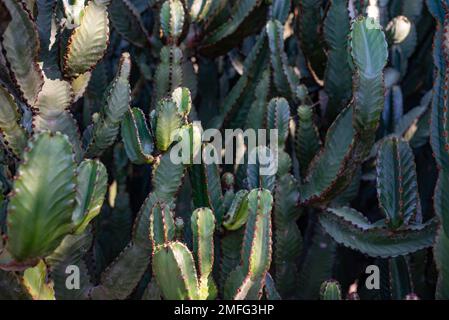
point(330, 290)
point(105, 111)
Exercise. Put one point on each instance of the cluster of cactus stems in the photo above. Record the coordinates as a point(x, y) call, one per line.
point(96, 95)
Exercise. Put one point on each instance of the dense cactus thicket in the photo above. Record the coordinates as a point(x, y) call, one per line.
point(96, 96)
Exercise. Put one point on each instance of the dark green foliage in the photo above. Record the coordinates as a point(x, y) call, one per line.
point(103, 164)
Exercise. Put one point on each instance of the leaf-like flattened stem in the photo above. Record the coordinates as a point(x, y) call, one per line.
point(356, 218)
point(330, 290)
point(167, 178)
point(378, 241)
point(122, 276)
point(397, 186)
point(259, 106)
point(239, 12)
point(237, 214)
point(53, 100)
point(338, 74)
point(79, 85)
point(369, 48)
point(285, 78)
point(13, 133)
point(203, 226)
point(141, 230)
point(278, 117)
point(326, 167)
point(92, 182)
point(35, 280)
point(175, 272)
point(136, 137)
point(230, 249)
point(261, 174)
point(168, 121)
point(169, 72)
point(162, 225)
point(43, 198)
point(400, 278)
point(89, 41)
point(126, 20)
point(134, 259)
point(52, 112)
point(214, 190)
point(172, 19)
point(183, 100)
point(21, 42)
point(288, 239)
point(120, 93)
point(70, 252)
point(106, 128)
point(369, 51)
point(439, 136)
point(307, 138)
point(347, 145)
point(309, 19)
point(245, 281)
point(440, 144)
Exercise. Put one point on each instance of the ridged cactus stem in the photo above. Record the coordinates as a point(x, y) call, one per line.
point(246, 281)
point(440, 143)
point(203, 226)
